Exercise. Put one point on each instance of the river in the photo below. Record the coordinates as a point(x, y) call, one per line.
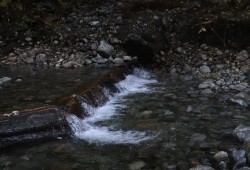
point(155, 121)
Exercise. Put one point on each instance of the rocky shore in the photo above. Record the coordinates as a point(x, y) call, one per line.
point(174, 39)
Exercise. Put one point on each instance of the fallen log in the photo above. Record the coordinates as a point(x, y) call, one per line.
point(49, 123)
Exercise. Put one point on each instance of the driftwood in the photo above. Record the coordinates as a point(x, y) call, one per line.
point(50, 123)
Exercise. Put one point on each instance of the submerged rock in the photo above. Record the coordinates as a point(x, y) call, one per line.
point(242, 132)
point(137, 165)
point(202, 167)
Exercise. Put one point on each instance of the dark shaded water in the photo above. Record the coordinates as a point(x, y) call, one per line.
point(178, 126)
point(40, 87)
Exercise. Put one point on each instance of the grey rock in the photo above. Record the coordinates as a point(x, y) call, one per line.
point(207, 92)
point(239, 101)
point(118, 61)
point(223, 165)
point(40, 59)
point(221, 156)
point(93, 46)
point(99, 60)
point(203, 56)
point(105, 49)
point(241, 163)
point(243, 55)
point(68, 65)
point(220, 66)
point(28, 39)
point(238, 87)
point(88, 61)
point(18, 80)
point(243, 95)
point(137, 165)
point(202, 167)
point(246, 145)
point(205, 69)
point(218, 52)
point(95, 23)
point(187, 77)
point(244, 168)
point(207, 84)
point(245, 68)
point(127, 58)
point(80, 57)
point(238, 154)
point(189, 109)
point(242, 132)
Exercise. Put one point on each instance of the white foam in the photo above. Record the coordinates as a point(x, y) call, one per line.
point(87, 129)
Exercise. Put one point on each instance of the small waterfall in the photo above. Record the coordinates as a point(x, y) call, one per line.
point(87, 128)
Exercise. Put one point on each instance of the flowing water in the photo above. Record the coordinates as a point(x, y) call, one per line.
point(153, 122)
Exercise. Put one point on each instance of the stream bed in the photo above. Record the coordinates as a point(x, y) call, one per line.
point(155, 121)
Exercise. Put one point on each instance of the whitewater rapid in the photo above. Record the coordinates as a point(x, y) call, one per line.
point(87, 128)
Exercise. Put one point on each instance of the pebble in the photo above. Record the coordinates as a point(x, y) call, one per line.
point(203, 56)
point(28, 39)
point(18, 80)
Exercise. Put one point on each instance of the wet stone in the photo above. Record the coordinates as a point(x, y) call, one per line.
point(242, 132)
point(221, 156)
point(223, 165)
point(243, 55)
point(240, 163)
point(197, 138)
point(238, 155)
point(202, 167)
point(246, 145)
